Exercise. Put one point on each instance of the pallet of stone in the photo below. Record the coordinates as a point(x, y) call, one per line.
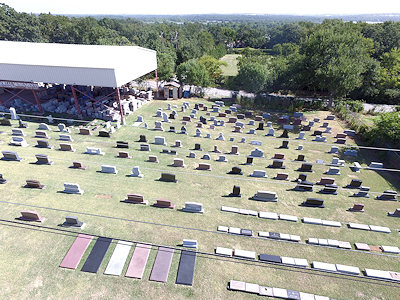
point(168, 177)
point(193, 207)
point(326, 180)
point(277, 164)
point(329, 242)
point(396, 213)
point(282, 176)
point(122, 144)
point(72, 188)
point(18, 141)
point(289, 218)
point(163, 203)
point(270, 258)
point(135, 199)
point(66, 147)
point(279, 236)
point(354, 184)
point(224, 251)
point(123, 154)
point(84, 131)
point(71, 221)
point(341, 141)
point(259, 174)
point(41, 134)
point(327, 267)
point(94, 151)
point(190, 243)
point(388, 196)
point(34, 184)
point(142, 139)
point(32, 216)
point(43, 144)
point(78, 165)
point(153, 159)
point(204, 167)
point(380, 229)
point(356, 167)
point(268, 215)
point(315, 221)
point(300, 262)
point(248, 212)
point(43, 159)
point(65, 137)
point(358, 226)
point(17, 132)
point(236, 171)
point(390, 249)
point(382, 274)
point(313, 202)
point(304, 186)
point(244, 254)
point(104, 133)
point(306, 167)
point(144, 147)
point(265, 196)
point(330, 189)
point(235, 192)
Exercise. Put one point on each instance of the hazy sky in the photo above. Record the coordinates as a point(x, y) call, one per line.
point(297, 7)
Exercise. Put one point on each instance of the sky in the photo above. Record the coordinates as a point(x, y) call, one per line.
point(168, 7)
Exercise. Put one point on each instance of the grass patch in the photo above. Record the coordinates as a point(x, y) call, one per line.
point(30, 257)
point(231, 69)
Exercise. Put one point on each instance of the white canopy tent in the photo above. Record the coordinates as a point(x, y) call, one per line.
point(90, 65)
point(71, 64)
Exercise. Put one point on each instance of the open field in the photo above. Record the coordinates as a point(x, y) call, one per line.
point(30, 256)
point(231, 69)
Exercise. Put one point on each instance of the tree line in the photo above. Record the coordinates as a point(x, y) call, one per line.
point(332, 58)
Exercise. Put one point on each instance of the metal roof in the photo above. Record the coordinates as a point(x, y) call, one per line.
point(107, 66)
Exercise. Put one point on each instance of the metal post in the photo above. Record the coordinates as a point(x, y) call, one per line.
point(156, 84)
point(37, 100)
point(76, 101)
point(120, 107)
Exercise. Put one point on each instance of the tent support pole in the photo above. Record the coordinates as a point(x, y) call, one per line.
point(156, 73)
point(120, 107)
point(76, 101)
point(37, 100)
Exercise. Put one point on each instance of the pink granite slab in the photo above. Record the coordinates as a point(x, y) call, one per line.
point(162, 264)
point(138, 261)
point(75, 253)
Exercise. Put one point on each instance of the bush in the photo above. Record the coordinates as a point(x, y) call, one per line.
point(386, 130)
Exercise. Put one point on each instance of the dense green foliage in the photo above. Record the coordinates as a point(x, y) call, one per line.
point(386, 129)
point(332, 58)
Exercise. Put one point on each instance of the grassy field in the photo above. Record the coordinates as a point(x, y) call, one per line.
point(231, 69)
point(30, 256)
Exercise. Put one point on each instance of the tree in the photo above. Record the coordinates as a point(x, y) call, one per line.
point(165, 65)
point(335, 57)
point(252, 77)
point(213, 67)
point(194, 73)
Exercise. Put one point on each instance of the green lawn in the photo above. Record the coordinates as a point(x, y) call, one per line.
point(231, 69)
point(29, 257)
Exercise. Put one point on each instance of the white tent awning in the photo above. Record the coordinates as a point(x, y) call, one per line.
point(91, 65)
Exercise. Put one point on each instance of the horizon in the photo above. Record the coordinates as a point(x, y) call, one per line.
point(208, 7)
